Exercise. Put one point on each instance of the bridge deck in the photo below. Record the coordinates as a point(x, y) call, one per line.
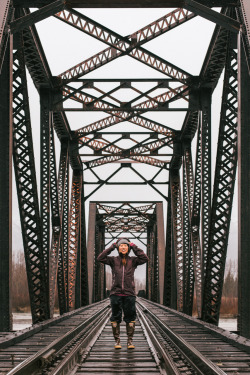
point(189, 343)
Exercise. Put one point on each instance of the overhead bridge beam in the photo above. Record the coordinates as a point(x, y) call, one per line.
point(123, 3)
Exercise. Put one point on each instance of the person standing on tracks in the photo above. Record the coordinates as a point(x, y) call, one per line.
point(122, 294)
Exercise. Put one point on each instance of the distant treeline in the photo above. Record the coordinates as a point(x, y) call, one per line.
point(20, 293)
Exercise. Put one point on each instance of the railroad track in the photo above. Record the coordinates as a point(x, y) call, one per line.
point(166, 342)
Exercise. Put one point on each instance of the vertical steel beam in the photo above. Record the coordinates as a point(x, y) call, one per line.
point(225, 172)
point(168, 256)
point(188, 277)
point(78, 267)
point(173, 270)
point(148, 265)
point(99, 269)
point(84, 261)
point(160, 248)
point(177, 233)
point(186, 236)
point(74, 230)
point(243, 12)
point(6, 192)
point(62, 182)
point(206, 171)
point(244, 193)
point(24, 165)
point(195, 258)
point(46, 121)
point(155, 266)
point(91, 248)
point(6, 15)
point(56, 224)
point(65, 233)
point(152, 291)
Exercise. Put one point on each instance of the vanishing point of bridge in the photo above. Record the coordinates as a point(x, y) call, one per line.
point(97, 129)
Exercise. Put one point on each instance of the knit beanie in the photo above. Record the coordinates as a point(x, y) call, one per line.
point(123, 241)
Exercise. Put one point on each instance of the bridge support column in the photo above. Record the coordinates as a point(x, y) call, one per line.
point(91, 248)
point(6, 191)
point(160, 247)
point(244, 194)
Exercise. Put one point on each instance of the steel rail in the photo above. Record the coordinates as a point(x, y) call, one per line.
point(81, 348)
point(200, 363)
point(49, 353)
point(165, 360)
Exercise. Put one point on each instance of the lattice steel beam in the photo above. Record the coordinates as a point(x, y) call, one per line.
point(24, 165)
point(56, 224)
point(140, 148)
point(120, 117)
point(84, 258)
point(225, 172)
point(6, 78)
point(168, 256)
point(46, 120)
point(186, 244)
point(141, 159)
point(205, 12)
point(176, 202)
point(206, 185)
point(36, 16)
point(40, 73)
point(6, 16)
point(243, 14)
point(74, 231)
point(215, 59)
point(65, 229)
point(244, 193)
point(92, 102)
point(144, 35)
point(119, 48)
point(193, 198)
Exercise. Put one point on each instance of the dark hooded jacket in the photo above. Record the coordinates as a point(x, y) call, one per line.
point(123, 275)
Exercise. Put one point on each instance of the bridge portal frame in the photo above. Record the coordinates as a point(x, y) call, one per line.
point(205, 262)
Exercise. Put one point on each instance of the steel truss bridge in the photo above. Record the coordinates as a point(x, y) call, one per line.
point(186, 259)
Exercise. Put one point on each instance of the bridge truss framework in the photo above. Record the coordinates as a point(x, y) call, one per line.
point(58, 254)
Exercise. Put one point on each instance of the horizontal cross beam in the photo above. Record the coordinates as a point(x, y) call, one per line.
point(123, 3)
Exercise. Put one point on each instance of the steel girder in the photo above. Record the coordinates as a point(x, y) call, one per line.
point(125, 3)
point(6, 16)
point(6, 192)
point(24, 165)
point(243, 202)
point(152, 267)
point(168, 256)
point(84, 260)
point(225, 173)
point(62, 276)
point(74, 234)
point(99, 274)
point(177, 219)
point(188, 267)
point(243, 14)
point(45, 130)
point(119, 47)
point(206, 172)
